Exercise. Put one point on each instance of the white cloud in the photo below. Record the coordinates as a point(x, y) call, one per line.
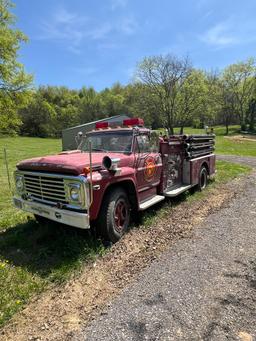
point(62, 16)
point(100, 32)
point(128, 25)
point(108, 45)
point(233, 31)
point(73, 29)
point(65, 27)
point(130, 72)
point(201, 4)
point(85, 70)
point(220, 35)
point(115, 4)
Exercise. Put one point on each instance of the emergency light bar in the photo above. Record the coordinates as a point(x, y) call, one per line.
point(133, 122)
point(130, 122)
point(101, 125)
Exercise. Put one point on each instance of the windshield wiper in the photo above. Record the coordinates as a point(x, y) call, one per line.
point(98, 150)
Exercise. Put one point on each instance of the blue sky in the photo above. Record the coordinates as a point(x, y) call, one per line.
point(97, 43)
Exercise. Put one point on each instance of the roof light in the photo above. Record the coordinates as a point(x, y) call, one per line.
point(133, 122)
point(101, 125)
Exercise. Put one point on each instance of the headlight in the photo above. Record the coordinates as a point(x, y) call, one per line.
point(75, 192)
point(19, 183)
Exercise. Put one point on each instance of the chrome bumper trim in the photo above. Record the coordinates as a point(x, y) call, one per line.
point(72, 218)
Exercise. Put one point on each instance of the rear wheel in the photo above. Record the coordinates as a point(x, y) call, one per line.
point(114, 216)
point(203, 179)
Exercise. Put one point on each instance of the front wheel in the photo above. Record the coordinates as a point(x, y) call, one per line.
point(203, 179)
point(114, 216)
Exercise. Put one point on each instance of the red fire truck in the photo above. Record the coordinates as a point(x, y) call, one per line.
point(115, 170)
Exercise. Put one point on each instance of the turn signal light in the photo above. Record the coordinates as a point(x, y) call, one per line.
point(86, 170)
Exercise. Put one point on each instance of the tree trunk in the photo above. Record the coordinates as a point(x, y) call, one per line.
point(170, 131)
point(170, 127)
point(243, 126)
point(227, 130)
point(252, 121)
point(181, 130)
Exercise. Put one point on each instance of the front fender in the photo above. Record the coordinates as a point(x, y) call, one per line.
point(105, 180)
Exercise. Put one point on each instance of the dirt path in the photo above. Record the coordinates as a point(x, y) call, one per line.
point(203, 288)
point(62, 312)
point(242, 138)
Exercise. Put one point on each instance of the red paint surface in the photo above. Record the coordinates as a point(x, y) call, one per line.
point(73, 163)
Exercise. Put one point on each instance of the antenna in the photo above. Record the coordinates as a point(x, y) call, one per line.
point(90, 159)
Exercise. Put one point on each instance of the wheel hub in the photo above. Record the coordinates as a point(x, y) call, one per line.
point(120, 215)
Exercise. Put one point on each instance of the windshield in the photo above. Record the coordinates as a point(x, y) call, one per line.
point(114, 141)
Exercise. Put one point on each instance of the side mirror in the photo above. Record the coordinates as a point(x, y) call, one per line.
point(79, 139)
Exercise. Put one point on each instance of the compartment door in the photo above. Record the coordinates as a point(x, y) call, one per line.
point(148, 167)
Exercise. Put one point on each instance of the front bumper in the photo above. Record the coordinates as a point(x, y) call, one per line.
point(72, 218)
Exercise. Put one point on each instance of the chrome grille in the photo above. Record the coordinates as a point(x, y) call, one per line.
point(45, 188)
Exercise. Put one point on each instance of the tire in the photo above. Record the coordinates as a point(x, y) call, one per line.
point(203, 179)
point(114, 217)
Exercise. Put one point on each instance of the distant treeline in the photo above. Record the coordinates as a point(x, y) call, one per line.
point(199, 99)
point(167, 91)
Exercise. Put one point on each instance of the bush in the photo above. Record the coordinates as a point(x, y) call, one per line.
point(196, 123)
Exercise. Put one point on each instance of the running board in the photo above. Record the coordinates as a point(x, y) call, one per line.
point(177, 191)
point(146, 204)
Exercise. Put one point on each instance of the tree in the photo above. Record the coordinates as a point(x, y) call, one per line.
point(89, 105)
point(38, 118)
point(227, 99)
point(164, 76)
point(112, 102)
point(239, 80)
point(14, 82)
point(142, 103)
point(191, 98)
point(251, 114)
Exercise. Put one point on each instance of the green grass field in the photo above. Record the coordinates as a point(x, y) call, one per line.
point(33, 256)
point(218, 130)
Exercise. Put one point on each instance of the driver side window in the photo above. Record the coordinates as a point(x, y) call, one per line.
point(143, 144)
point(147, 143)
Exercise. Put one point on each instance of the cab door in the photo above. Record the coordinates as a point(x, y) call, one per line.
point(148, 165)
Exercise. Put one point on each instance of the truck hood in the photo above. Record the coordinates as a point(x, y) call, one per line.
point(71, 162)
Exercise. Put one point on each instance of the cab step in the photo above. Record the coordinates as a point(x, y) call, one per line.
point(178, 190)
point(152, 201)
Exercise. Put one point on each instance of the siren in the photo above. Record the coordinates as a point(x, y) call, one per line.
point(134, 122)
point(110, 164)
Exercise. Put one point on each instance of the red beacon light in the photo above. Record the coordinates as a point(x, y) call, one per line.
point(101, 125)
point(134, 122)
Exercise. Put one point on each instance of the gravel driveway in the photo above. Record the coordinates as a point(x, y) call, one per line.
point(203, 288)
point(250, 161)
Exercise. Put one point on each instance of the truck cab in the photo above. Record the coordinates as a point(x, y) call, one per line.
point(115, 170)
